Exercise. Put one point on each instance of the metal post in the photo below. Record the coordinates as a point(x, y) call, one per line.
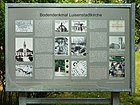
point(115, 98)
point(22, 98)
point(68, 101)
point(132, 58)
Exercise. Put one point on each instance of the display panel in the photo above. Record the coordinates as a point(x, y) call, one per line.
point(69, 48)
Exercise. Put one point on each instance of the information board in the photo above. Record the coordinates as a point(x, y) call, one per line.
point(69, 47)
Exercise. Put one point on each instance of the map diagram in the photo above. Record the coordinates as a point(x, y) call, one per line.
point(79, 68)
point(24, 25)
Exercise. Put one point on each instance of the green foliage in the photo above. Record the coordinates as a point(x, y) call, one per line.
point(66, 1)
point(2, 43)
point(2, 21)
point(137, 23)
point(136, 39)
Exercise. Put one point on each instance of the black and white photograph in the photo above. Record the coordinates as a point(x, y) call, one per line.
point(79, 68)
point(78, 46)
point(62, 26)
point(61, 46)
point(23, 25)
point(24, 49)
point(116, 66)
point(78, 25)
point(117, 42)
point(62, 67)
point(24, 70)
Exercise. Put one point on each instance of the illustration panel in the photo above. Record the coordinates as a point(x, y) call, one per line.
point(61, 26)
point(24, 49)
point(117, 42)
point(78, 68)
point(78, 46)
point(24, 70)
point(61, 46)
point(62, 67)
point(23, 25)
point(117, 66)
point(79, 26)
point(116, 26)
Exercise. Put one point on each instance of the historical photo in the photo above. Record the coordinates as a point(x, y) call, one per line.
point(116, 26)
point(117, 42)
point(78, 46)
point(79, 26)
point(117, 66)
point(79, 68)
point(61, 45)
point(24, 49)
point(23, 25)
point(24, 70)
point(62, 67)
point(61, 25)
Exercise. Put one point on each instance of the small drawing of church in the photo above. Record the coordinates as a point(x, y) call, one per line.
point(61, 28)
point(24, 54)
point(79, 26)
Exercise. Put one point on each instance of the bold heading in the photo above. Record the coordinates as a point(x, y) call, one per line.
point(70, 15)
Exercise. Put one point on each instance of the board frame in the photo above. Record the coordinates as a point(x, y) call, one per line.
point(42, 5)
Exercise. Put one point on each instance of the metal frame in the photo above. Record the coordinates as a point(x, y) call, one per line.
point(59, 5)
point(49, 5)
point(114, 100)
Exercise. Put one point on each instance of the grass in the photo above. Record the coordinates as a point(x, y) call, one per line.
point(135, 99)
point(136, 96)
point(137, 71)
